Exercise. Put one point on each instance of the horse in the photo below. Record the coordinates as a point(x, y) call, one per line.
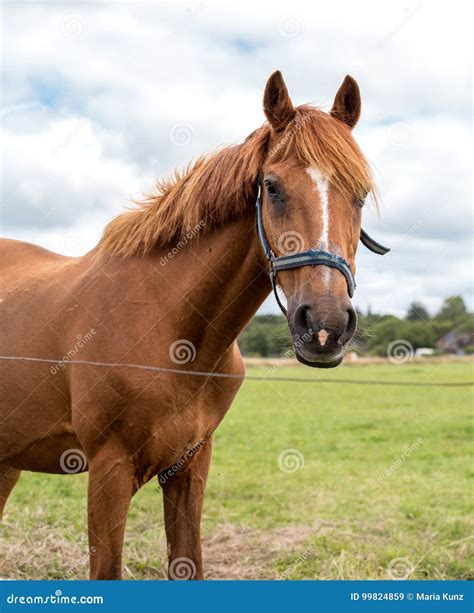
point(172, 282)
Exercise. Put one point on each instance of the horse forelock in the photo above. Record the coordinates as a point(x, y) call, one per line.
point(320, 141)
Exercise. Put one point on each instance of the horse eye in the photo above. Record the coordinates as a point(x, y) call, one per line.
point(272, 189)
point(360, 202)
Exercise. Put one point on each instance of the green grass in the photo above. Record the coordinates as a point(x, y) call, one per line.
point(386, 475)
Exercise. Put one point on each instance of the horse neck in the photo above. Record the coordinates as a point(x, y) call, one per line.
point(224, 285)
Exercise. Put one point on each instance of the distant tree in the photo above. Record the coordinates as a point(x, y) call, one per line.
point(467, 324)
point(453, 309)
point(255, 342)
point(385, 330)
point(417, 312)
point(420, 334)
point(266, 335)
point(371, 317)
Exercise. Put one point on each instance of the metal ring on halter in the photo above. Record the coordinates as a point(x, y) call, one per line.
point(312, 257)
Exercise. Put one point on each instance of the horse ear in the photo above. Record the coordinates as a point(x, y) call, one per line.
point(277, 102)
point(347, 103)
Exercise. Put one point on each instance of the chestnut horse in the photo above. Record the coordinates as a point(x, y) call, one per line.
point(172, 283)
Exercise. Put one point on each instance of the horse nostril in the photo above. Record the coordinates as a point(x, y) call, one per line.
point(350, 327)
point(301, 319)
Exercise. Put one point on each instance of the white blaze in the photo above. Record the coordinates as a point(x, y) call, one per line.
point(321, 185)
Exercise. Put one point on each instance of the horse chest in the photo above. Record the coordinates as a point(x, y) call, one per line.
point(179, 428)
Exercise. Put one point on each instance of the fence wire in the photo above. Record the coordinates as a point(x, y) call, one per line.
point(221, 375)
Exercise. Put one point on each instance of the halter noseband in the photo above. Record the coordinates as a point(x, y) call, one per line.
point(312, 257)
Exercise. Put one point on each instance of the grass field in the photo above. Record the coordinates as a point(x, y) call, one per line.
point(318, 481)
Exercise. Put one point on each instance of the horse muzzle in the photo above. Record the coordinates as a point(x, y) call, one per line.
point(321, 334)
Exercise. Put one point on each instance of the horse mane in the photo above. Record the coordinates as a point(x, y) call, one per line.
point(221, 187)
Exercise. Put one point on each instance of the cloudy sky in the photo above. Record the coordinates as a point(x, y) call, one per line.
point(100, 98)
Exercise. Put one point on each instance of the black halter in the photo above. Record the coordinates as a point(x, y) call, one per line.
point(312, 257)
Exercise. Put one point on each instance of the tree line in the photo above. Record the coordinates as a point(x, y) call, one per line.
point(451, 329)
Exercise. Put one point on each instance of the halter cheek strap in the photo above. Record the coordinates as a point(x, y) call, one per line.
point(372, 244)
point(312, 257)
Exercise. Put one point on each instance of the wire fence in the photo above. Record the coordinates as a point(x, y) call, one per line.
point(221, 375)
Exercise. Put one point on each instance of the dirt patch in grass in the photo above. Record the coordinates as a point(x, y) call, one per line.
point(241, 553)
point(326, 550)
point(230, 553)
point(42, 553)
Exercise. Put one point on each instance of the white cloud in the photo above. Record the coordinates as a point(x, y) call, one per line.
point(59, 175)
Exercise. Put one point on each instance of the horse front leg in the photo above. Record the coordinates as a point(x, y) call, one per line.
point(8, 478)
point(183, 495)
point(111, 483)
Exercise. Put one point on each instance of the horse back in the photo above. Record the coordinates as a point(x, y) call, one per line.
point(18, 259)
